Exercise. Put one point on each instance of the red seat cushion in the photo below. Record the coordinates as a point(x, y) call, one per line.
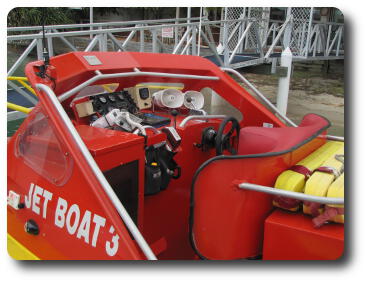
point(255, 140)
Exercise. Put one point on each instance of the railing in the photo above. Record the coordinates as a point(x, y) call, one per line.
point(262, 97)
point(19, 88)
point(136, 72)
point(192, 36)
point(19, 108)
point(325, 40)
point(289, 194)
point(22, 81)
point(268, 103)
point(189, 35)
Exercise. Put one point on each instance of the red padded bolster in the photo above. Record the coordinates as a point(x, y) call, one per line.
point(260, 140)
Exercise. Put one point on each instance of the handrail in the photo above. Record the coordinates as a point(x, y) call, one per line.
point(277, 38)
point(200, 117)
point(120, 23)
point(271, 105)
point(18, 107)
point(335, 138)
point(260, 95)
point(22, 81)
point(136, 72)
point(290, 194)
point(98, 173)
point(114, 30)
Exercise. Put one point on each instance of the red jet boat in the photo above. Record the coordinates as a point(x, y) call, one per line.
point(124, 159)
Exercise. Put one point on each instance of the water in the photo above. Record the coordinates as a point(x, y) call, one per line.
point(13, 55)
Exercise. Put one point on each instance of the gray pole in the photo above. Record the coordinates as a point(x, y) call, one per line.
point(176, 22)
point(188, 21)
point(225, 39)
point(91, 20)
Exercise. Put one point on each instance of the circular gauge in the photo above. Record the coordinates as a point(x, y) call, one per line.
point(120, 96)
point(102, 99)
point(144, 93)
point(112, 98)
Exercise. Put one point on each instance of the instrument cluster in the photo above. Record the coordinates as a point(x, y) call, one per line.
point(106, 102)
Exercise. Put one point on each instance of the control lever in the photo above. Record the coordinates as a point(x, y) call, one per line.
point(174, 114)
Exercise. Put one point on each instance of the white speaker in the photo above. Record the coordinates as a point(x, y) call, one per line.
point(171, 98)
point(193, 99)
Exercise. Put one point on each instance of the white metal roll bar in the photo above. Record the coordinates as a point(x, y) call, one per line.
point(137, 72)
point(99, 175)
point(155, 130)
point(260, 95)
point(289, 194)
point(268, 102)
point(200, 117)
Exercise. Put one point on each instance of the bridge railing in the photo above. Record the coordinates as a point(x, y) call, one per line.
point(238, 37)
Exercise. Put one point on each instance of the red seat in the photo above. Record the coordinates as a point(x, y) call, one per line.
point(255, 140)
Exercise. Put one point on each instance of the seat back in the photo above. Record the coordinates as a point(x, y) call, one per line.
point(254, 140)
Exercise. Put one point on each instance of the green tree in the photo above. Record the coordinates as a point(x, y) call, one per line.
point(34, 16)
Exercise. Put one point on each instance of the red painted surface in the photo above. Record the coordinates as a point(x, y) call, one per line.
point(81, 189)
point(290, 236)
point(228, 221)
point(162, 218)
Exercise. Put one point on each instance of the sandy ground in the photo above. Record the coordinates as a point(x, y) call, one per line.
point(311, 91)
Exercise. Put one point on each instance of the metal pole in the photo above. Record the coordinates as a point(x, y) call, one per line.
point(142, 39)
point(225, 39)
point(199, 34)
point(193, 42)
point(188, 21)
point(23, 56)
point(91, 21)
point(154, 41)
point(136, 72)
point(39, 49)
point(287, 31)
point(200, 117)
point(176, 22)
point(309, 32)
point(260, 95)
point(290, 194)
point(283, 88)
point(98, 173)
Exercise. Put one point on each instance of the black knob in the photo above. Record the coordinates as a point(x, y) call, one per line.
point(189, 99)
point(174, 112)
point(31, 227)
point(21, 205)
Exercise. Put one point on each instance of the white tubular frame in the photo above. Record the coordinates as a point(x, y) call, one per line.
point(155, 130)
point(269, 104)
point(289, 194)
point(200, 117)
point(99, 175)
point(136, 72)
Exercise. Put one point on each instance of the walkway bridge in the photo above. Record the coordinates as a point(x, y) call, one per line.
point(242, 37)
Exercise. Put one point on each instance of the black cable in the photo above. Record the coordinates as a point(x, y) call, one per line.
point(46, 57)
